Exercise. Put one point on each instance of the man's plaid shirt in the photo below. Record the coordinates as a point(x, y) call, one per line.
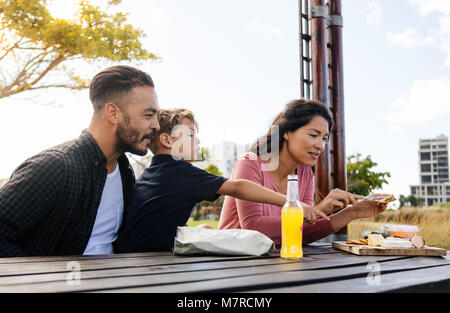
point(49, 205)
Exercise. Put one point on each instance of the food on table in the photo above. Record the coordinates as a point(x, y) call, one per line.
point(365, 234)
point(403, 231)
point(396, 243)
point(384, 240)
point(375, 240)
point(418, 242)
point(357, 242)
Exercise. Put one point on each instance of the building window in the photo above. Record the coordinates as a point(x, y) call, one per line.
point(442, 161)
point(425, 156)
point(425, 168)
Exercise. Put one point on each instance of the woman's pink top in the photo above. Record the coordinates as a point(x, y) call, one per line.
point(266, 218)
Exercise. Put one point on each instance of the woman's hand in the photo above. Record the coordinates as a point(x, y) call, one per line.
point(310, 214)
point(337, 200)
point(368, 208)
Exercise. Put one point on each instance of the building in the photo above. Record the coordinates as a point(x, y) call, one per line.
point(434, 171)
point(224, 156)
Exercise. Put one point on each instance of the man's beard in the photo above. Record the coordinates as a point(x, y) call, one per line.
point(128, 138)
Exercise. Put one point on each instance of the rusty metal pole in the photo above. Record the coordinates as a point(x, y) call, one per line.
point(319, 69)
point(337, 95)
point(339, 167)
point(305, 58)
point(301, 47)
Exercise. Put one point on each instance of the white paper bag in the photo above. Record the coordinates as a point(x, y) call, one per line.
point(192, 240)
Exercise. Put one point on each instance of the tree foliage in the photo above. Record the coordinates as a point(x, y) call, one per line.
point(212, 169)
point(37, 43)
point(410, 200)
point(361, 179)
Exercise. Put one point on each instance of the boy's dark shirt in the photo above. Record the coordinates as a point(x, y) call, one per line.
point(49, 205)
point(163, 199)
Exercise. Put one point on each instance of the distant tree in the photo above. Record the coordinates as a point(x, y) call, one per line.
point(212, 169)
point(361, 179)
point(204, 155)
point(410, 200)
point(38, 43)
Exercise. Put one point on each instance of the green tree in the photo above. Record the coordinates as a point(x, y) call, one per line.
point(212, 169)
point(361, 179)
point(38, 43)
point(410, 200)
point(204, 154)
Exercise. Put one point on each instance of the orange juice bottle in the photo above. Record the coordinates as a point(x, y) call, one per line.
point(291, 223)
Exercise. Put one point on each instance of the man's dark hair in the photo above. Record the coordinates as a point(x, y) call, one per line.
point(111, 84)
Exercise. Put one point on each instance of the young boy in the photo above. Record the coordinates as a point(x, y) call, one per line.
point(170, 188)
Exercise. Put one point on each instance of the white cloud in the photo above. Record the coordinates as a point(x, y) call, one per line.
point(444, 37)
point(426, 7)
point(409, 39)
point(266, 29)
point(442, 32)
point(426, 101)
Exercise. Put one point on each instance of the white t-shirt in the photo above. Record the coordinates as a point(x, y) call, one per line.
point(109, 216)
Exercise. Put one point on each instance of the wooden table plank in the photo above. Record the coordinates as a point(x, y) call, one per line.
point(308, 250)
point(101, 264)
point(187, 279)
point(34, 265)
point(414, 280)
point(164, 272)
point(132, 275)
point(37, 259)
point(278, 279)
point(321, 261)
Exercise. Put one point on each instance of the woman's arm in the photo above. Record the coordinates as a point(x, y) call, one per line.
point(363, 209)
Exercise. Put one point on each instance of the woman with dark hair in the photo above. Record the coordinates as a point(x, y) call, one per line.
point(293, 144)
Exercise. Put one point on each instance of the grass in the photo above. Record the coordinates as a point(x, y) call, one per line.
point(433, 223)
point(192, 223)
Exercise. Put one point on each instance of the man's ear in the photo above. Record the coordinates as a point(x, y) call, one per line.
point(285, 136)
point(165, 141)
point(111, 112)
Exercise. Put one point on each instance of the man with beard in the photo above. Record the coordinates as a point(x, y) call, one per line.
point(71, 199)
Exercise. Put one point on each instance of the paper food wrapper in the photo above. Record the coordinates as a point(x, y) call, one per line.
point(192, 240)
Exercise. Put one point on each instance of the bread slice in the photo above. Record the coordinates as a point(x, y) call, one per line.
point(418, 242)
point(374, 240)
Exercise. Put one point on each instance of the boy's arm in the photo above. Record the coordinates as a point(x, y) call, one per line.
point(247, 190)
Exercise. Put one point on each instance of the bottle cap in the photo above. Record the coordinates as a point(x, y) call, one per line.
point(292, 178)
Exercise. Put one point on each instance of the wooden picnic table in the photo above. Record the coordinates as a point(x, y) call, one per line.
point(323, 269)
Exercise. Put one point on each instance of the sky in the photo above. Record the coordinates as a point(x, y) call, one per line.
point(235, 64)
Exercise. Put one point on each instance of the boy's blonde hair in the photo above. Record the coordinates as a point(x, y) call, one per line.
point(168, 119)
